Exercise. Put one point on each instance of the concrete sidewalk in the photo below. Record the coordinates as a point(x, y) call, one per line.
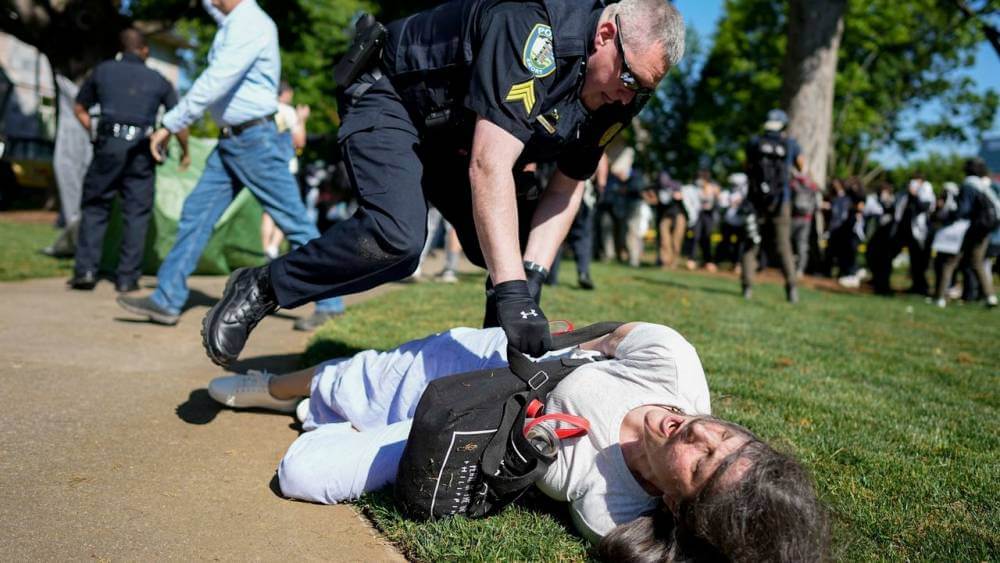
point(111, 449)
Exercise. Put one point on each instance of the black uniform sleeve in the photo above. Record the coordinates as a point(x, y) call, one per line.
point(169, 99)
point(506, 85)
point(87, 95)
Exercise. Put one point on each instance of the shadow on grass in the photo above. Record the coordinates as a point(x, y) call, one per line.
point(734, 292)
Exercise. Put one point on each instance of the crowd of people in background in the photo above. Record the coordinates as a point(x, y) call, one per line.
point(849, 231)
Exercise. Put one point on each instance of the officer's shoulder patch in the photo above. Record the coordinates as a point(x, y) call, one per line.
point(538, 56)
point(610, 133)
point(524, 93)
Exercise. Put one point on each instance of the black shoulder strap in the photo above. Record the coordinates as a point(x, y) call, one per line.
point(532, 373)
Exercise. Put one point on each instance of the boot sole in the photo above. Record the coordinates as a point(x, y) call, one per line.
point(210, 318)
point(158, 318)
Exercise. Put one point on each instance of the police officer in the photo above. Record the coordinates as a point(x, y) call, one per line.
point(770, 161)
point(460, 97)
point(130, 94)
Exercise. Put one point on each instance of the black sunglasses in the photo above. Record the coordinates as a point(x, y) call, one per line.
point(627, 76)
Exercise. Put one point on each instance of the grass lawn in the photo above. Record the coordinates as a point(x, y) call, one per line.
point(20, 258)
point(892, 403)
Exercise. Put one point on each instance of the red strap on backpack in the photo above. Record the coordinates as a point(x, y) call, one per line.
point(580, 425)
point(560, 326)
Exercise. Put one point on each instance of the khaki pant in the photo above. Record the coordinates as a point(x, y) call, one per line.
point(777, 233)
point(671, 230)
point(973, 249)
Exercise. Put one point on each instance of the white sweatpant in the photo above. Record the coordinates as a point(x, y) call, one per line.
point(376, 393)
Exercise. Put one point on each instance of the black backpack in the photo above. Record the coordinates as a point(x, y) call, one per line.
point(985, 216)
point(768, 173)
point(466, 452)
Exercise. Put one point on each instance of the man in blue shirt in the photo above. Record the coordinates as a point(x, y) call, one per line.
point(240, 90)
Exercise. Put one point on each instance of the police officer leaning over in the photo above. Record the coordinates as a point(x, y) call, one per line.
point(460, 97)
point(130, 95)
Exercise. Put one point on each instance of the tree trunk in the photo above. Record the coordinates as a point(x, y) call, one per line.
point(810, 70)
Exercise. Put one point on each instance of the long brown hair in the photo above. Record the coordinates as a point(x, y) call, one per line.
point(770, 514)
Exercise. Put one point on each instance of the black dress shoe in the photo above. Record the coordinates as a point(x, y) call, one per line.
point(586, 282)
point(83, 280)
point(127, 286)
point(247, 299)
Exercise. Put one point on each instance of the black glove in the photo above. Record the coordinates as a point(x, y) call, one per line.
point(536, 277)
point(490, 318)
point(522, 319)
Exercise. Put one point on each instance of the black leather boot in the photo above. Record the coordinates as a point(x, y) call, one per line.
point(247, 299)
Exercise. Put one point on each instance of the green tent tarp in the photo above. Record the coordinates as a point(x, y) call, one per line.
point(235, 239)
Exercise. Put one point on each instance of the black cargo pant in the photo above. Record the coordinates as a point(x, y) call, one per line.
point(776, 233)
point(124, 167)
point(395, 169)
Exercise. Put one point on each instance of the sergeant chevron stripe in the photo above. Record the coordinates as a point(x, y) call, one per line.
point(524, 93)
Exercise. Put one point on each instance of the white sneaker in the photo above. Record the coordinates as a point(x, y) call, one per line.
point(447, 276)
point(302, 410)
point(955, 292)
point(991, 301)
point(852, 282)
point(941, 303)
point(248, 391)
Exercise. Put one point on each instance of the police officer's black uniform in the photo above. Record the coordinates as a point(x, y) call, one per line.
point(406, 134)
point(407, 130)
point(130, 94)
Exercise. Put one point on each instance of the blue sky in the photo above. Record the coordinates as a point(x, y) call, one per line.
point(703, 15)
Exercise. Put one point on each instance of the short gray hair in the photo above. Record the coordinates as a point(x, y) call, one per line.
point(652, 22)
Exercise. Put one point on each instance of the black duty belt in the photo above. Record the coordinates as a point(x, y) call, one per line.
point(123, 131)
point(233, 130)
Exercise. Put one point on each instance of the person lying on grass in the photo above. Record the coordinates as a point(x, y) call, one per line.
point(656, 477)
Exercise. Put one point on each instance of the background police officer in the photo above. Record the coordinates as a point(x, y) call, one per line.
point(463, 95)
point(770, 159)
point(130, 95)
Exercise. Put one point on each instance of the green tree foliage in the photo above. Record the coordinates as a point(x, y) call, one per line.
point(896, 59)
point(665, 114)
point(313, 34)
point(739, 82)
point(937, 168)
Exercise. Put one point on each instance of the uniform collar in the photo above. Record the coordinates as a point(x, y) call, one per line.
point(573, 28)
point(132, 58)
